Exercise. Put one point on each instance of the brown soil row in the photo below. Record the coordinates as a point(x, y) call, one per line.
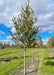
point(32, 69)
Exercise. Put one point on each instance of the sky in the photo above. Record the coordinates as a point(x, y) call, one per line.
point(43, 10)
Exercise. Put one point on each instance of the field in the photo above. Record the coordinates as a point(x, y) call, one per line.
point(12, 61)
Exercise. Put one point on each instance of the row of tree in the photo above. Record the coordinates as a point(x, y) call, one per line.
point(50, 42)
point(7, 44)
point(38, 44)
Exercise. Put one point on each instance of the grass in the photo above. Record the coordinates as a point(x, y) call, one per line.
point(46, 64)
point(7, 51)
point(10, 54)
point(11, 67)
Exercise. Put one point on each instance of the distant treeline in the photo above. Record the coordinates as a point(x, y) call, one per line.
point(9, 45)
point(50, 42)
point(38, 44)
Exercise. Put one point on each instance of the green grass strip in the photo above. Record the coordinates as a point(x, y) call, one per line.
point(11, 67)
point(46, 66)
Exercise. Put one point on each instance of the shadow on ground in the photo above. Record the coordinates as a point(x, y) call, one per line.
point(16, 57)
point(33, 71)
point(49, 58)
point(50, 62)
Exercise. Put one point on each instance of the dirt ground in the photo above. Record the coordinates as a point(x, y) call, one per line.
point(32, 68)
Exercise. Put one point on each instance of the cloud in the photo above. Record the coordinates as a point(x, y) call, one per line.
point(13, 30)
point(45, 40)
point(1, 32)
point(8, 37)
point(5, 41)
point(46, 22)
point(8, 9)
point(44, 11)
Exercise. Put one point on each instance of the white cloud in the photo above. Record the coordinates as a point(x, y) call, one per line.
point(1, 32)
point(8, 37)
point(6, 41)
point(13, 30)
point(9, 8)
point(45, 40)
point(1, 2)
point(44, 11)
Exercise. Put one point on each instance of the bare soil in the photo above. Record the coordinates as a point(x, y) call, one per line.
point(31, 69)
point(12, 58)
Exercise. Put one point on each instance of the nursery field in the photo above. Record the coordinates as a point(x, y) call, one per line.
point(12, 61)
point(46, 65)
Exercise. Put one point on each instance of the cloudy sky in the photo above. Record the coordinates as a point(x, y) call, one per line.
point(43, 9)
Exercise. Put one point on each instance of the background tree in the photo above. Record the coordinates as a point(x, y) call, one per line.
point(1, 44)
point(4, 44)
point(36, 46)
point(40, 41)
point(25, 30)
point(12, 45)
point(50, 42)
point(8, 44)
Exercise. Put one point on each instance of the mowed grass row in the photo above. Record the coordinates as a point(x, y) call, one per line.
point(7, 51)
point(10, 56)
point(19, 52)
point(46, 64)
point(13, 66)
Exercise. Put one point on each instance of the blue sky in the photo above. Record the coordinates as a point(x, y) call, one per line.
point(43, 10)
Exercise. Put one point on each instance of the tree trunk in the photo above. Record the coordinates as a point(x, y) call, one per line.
point(32, 57)
point(24, 60)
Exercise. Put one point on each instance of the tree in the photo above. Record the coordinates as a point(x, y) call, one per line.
point(4, 44)
point(25, 29)
point(12, 45)
point(8, 44)
point(40, 41)
point(36, 46)
point(1, 44)
point(50, 42)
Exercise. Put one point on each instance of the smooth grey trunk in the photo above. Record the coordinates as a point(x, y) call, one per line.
point(24, 60)
point(32, 57)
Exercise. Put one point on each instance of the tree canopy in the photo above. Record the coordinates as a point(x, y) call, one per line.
point(24, 26)
point(50, 42)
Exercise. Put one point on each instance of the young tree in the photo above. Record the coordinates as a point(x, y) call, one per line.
point(25, 30)
point(40, 41)
point(1, 44)
point(12, 45)
point(50, 42)
point(4, 44)
point(8, 44)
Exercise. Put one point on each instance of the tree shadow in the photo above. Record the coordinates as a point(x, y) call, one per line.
point(50, 62)
point(33, 71)
point(50, 58)
point(16, 57)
